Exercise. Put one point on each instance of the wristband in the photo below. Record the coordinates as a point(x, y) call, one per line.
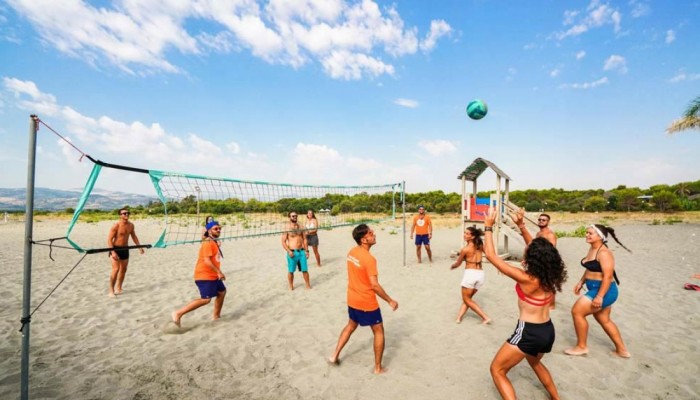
point(488, 229)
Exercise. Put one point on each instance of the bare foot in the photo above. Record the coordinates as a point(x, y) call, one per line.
point(333, 361)
point(175, 318)
point(291, 288)
point(112, 295)
point(622, 354)
point(380, 370)
point(118, 291)
point(576, 351)
point(215, 317)
point(308, 286)
point(486, 321)
point(458, 321)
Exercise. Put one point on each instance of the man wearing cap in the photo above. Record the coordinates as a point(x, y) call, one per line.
point(297, 249)
point(207, 275)
point(423, 228)
point(119, 238)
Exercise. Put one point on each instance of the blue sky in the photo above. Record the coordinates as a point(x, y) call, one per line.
point(351, 92)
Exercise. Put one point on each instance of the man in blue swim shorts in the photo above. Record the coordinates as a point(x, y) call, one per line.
point(295, 244)
point(423, 228)
point(207, 276)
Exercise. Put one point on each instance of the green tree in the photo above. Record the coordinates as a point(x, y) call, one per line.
point(595, 203)
point(627, 199)
point(666, 201)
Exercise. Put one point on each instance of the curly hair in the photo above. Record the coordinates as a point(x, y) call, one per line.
point(544, 263)
point(476, 234)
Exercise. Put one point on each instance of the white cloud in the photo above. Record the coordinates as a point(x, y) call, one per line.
point(670, 36)
point(438, 29)
point(586, 85)
point(348, 38)
point(353, 66)
point(596, 15)
point(683, 76)
point(406, 103)
point(554, 73)
point(616, 63)
point(580, 55)
point(639, 8)
point(438, 147)
point(233, 147)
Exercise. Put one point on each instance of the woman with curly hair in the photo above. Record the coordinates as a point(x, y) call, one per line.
point(601, 282)
point(474, 276)
point(542, 276)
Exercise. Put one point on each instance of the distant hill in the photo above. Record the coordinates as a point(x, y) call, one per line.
point(55, 200)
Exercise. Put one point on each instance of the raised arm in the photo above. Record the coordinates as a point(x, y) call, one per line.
point(518, 218)
point(514, 273)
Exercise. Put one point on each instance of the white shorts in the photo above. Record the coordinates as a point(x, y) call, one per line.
point(473, 278)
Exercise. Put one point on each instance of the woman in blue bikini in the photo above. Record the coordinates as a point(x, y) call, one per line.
point(542, 276)
point(601, 282)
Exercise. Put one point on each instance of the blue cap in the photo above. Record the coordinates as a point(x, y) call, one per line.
point(211, 225)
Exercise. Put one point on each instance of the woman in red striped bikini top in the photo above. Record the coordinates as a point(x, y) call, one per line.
point(542, 276)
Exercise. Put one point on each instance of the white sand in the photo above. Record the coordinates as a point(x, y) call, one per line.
point(273, 344)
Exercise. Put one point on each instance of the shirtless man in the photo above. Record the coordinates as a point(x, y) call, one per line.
point(296, 246)
point(119, 237)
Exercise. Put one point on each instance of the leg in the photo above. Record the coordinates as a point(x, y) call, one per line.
point(218, 304)
point(603, 318)
point(507, 357)
point(467, 295)
point(430, 253)
point(290, 280)
point(343, 340)
point(123, 264)
point(581, 309)
point(543, 374)
point(462, 310)
point(113, 276)
point(418, 253)
point(378, 330)
point(318, 256)
point(306, 279)
point(193, 305)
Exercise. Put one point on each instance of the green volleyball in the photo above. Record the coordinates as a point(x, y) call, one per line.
point(477, 109)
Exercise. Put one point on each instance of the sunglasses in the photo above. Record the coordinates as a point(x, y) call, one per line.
point(124, 213)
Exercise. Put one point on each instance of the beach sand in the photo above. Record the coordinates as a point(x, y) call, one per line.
point(272, 343)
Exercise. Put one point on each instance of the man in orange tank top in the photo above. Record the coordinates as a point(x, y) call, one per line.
point(363, 289)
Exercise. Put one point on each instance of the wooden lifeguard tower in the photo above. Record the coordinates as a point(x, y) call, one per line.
point(474, 210)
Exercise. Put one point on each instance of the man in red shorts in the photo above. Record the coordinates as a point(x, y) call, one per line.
point(363, 289)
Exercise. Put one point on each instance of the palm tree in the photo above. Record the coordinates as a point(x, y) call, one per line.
point(683, 190)
point(691, 119)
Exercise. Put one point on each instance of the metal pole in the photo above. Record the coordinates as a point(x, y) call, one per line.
point(28, 234)
point(403, 206)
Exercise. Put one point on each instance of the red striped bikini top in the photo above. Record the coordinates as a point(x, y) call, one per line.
point(531, 300)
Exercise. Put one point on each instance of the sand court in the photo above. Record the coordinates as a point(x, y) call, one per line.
point(273, 343)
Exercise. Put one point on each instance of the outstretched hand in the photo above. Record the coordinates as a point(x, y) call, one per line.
point(490, 217)
point(517, 216)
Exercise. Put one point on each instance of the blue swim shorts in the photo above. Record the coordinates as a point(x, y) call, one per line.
point(365, 318)
point(298, 261)
point(422, 240)
point(210, 289)
point(593, 287)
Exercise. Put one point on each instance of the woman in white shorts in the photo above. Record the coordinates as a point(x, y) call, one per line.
point(473, 277)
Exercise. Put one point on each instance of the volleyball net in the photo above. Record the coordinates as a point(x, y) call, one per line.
point(248, 208)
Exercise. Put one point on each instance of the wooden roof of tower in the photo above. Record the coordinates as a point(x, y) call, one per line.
point(477, 167)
